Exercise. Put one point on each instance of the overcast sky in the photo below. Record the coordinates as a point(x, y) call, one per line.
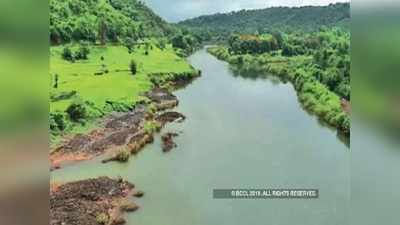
point(176, 10)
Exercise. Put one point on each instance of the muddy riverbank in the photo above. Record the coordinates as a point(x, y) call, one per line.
point(91, 202)
point(131, 130)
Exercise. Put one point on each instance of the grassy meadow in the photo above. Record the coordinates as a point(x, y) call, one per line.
point(116, 84)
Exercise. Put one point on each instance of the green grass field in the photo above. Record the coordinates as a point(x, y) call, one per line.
point(116, 85)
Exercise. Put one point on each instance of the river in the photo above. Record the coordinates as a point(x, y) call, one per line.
point(240, 132)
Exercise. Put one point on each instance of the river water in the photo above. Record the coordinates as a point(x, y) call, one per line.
point(240, 132)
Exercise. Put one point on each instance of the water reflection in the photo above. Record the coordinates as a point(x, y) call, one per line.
point(256, 75)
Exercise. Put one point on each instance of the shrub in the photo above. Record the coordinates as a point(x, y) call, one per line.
point(151, 127)
point(123, 155)
point(82, 52)
point(58, 122)
point(102, 218)
point(67, 54)
point(77, 110)
point(133, 67)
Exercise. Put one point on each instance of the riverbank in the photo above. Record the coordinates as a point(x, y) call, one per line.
point(313, 95)
point(86, 90)
point(92, 202)
point(122, 133)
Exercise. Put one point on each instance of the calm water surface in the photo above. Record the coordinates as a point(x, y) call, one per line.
point(239, 133)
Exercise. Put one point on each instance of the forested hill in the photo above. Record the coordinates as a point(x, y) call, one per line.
point(307, 18)
point(104, 20)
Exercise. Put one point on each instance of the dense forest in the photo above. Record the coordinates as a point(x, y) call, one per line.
point(104, 20)
point(307, 18)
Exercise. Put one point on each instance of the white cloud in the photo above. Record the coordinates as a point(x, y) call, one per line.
point(175, 10)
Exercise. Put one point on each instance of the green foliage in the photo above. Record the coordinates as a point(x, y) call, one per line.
point(133, 67)
point(307, 18)
point(102, 219)
point(77, 110)
point(104, 21)
point(58, 122)
point(82, 52)
point(123, 155)
point(185, 42)
point(67, 54)
point(151, 126)
point(252, 44)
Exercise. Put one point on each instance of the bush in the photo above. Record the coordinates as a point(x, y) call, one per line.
point(67, 54)
point(123, 155)
point(58, 122)
point(151, 127)
point(82, 52)
point(102, 218)
point(133, 67)
point(77, 110)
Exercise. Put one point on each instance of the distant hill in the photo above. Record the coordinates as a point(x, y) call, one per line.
point(108, 20)
point(306, 18)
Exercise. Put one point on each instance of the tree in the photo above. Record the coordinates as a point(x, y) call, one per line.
point(133, 67)
point(55, 81)
point(82, 52)
point(67, 54)
point(77, 110)
point(179, 42)
point(102, 32)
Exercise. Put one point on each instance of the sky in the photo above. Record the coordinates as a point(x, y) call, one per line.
point(177, 10)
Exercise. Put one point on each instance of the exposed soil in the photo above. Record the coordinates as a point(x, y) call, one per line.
point(90, 202)
point(162, 98)
point(117, 133)
point(169, 117)
point(168, 142)
point(120, 130)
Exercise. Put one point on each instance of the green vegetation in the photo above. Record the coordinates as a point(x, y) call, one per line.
point(318, 65)
point(151, 126)
point(104, 21)
point(307, 18)
point(102, 218)
point(123, 155)
point(133, 67)
point(85, 92)
point(97, 46)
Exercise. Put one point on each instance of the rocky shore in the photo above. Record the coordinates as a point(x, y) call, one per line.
point(131, 130)
point(91, 202)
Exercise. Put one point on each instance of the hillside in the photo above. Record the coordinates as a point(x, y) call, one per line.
point(104, 20)
point(308, 18)
point(105, 55)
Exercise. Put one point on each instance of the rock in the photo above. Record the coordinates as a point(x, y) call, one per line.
point(129, 207)
point(169, 117)
point(138, 194)
point(168, 143)
point(118, 221)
